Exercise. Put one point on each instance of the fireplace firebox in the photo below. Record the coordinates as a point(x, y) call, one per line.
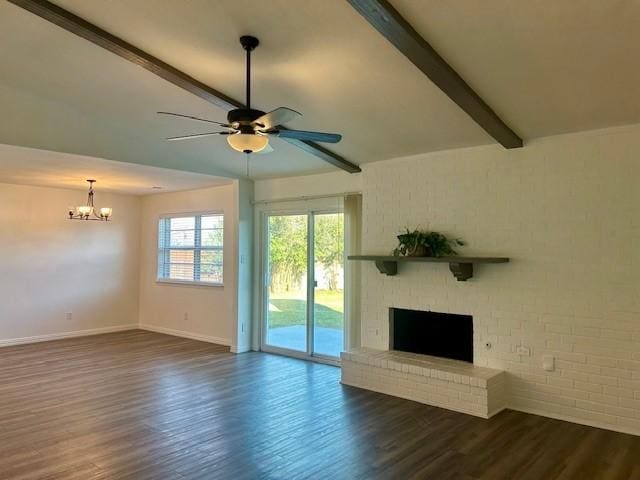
point(443, 335)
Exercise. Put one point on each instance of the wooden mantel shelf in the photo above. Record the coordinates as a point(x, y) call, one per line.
point(461, 267)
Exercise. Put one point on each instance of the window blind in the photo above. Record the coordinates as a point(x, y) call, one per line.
point(190, 248)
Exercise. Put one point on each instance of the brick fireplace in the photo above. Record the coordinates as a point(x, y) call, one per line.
point(430, 360)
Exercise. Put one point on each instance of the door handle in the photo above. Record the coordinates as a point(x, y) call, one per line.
point(315, 284)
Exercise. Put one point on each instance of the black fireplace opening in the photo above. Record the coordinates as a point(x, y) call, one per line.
point(444, 335)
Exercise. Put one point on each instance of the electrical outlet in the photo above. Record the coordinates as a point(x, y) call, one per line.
point(548, 363)
point(186, 316)
point(69, 316)
point(523, 350)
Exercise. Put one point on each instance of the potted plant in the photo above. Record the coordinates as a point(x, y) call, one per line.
point(425, 244)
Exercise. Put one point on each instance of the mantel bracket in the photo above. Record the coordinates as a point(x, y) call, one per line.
point(386, 267)
point(462, 271)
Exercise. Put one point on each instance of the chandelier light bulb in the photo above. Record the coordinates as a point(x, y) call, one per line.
point(84, 210)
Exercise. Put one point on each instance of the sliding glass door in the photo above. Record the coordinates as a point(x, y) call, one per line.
point(303, 312)
point(286, 290)
point(328, 285)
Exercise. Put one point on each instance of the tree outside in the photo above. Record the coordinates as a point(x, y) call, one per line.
point(288, 269)
point(329, 250)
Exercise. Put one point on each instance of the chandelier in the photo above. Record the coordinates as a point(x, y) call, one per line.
point(88, 211)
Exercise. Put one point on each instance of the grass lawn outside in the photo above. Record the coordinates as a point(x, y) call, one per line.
point(286, 310)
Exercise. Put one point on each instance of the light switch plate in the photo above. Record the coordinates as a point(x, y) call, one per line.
point(548, 363)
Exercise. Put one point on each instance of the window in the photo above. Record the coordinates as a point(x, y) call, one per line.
point(190, 249)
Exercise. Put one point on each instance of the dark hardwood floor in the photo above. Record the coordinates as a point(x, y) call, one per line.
point(140, 405)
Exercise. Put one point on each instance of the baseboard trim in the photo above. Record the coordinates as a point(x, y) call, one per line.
point(59, 336)
point(181, 333)
point(240, 348)
point(579, 421)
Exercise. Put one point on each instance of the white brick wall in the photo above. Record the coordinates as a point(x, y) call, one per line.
point(567, 211)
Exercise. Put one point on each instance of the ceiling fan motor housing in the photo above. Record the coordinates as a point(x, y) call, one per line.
point(243, 116)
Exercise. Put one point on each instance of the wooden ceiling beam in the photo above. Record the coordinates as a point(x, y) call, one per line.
point(386, 20)
point(78, 26)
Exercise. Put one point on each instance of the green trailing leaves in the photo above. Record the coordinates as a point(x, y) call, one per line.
point(426, 244)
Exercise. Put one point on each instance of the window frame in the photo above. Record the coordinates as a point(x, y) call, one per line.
point(197, 239)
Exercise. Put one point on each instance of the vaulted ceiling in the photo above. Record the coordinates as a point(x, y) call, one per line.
point(545, 67)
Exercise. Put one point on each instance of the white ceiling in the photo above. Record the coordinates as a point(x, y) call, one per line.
point(546, 67)
point(28, 166)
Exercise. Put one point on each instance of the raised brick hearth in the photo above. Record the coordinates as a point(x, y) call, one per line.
point(445, 383)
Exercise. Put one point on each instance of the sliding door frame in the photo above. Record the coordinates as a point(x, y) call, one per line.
point(310, 208)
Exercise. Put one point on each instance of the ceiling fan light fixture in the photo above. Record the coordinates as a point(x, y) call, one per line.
point(248, 142)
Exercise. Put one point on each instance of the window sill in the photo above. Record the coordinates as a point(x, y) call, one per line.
point(188, 283)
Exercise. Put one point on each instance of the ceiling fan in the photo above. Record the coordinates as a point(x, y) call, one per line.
point(249, 130)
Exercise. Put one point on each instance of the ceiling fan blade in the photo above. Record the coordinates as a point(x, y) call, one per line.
point(276, 117)
point(195, 135)
point(267, 149)
point(193, 118)
point(309, 136)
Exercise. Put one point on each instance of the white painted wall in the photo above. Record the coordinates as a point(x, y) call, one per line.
point(105, 273)
point(566, 209)
point(333, 183)
point(51, 266)
point(243, 318)
point(210, 310)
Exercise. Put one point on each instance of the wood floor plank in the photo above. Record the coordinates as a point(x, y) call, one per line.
point(141, 405)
